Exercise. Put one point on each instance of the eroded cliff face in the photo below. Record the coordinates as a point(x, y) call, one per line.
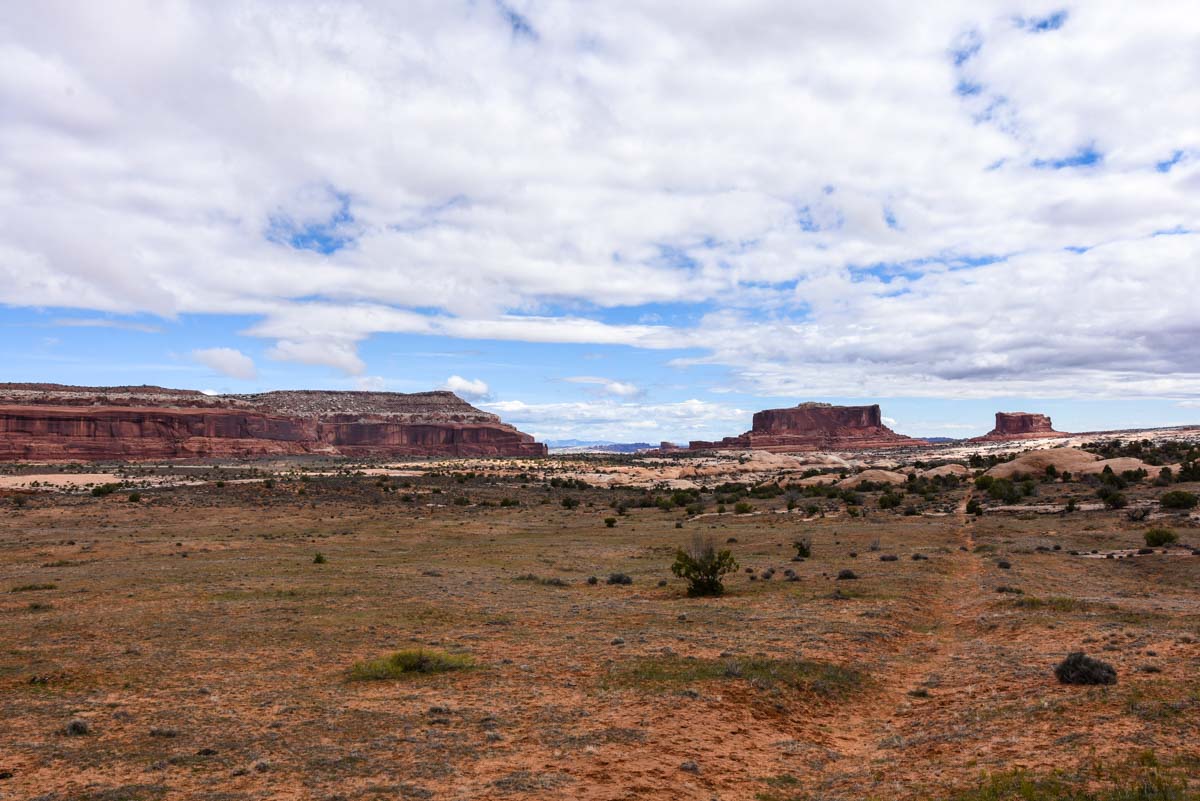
point(813, 427)
point(1020, 425)
point(52, 422)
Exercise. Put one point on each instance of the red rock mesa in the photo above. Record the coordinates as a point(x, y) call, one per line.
point(1020, 425)
point(813, 427)
point(56, 422)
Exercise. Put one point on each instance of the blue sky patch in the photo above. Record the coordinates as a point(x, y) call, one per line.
point(520, 25)
point(1166, 165)
point(1084, 157)
point(325, 237)
point(1050, 22)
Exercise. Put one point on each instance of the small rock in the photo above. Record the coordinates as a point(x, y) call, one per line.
point(690, 767)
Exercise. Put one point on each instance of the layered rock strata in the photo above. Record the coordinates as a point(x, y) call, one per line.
point(1020, 425)
point(813, 427)
point(55, 422)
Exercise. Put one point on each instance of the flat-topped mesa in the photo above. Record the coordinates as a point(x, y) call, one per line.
point(1020, 425)
point(56, 422)
point(813, 427)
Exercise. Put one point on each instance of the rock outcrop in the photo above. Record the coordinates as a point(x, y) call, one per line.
point(813, 427)
point(1020, 425)
point(1069, 460)
point(55, 422)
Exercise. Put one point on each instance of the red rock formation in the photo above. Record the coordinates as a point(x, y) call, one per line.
point(1020, 425)
point(95, 423)
point(813, 427)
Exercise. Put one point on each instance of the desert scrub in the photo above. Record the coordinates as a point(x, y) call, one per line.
point(702, 566)
point(34, 587)
point(1056, 604)
point(1079, 668)
point(409, 663)
point(800, 675)
point(1144, 778)
point(532, 578)
point(1158, 537)
point(1178, 499)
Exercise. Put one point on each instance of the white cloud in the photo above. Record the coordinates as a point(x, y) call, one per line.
point(94, 322)
point(470, 389)
point(227, 361)
point(745, 158)
point(609, 419)
point(370, 383)
point(332, 351)
point(620, 389)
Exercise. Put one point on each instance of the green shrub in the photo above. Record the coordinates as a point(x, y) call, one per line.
point(1158, 537)
point(974, 507)
point(319, 559)
point(702, 566)
point(742, 508)
point(610, 521)
point(569, 502)
point(889, 500)
point(1177, 499)
point(1079, 668)
point(803, 547)
point(135, 497)
point(105, 489)
point(1112, 498)
point(407, 663)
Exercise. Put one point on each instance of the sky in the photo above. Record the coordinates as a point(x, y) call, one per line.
point(612, 221)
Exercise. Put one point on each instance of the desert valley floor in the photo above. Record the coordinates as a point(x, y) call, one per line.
point(198, 640)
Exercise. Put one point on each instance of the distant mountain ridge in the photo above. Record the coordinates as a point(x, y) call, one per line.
point(596, 446)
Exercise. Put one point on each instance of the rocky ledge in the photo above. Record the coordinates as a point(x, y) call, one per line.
point(1020, 425)
point(57, 422)
point(813, 427)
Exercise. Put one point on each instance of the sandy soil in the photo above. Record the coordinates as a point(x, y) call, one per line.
point(209, 654)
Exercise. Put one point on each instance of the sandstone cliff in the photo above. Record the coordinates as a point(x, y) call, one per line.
point(1020, 425)
point(51, 421)
point(813, 427)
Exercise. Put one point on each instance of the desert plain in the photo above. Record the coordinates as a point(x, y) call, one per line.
point(213, 631)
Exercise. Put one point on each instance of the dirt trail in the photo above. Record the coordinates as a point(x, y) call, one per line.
point(925, 659)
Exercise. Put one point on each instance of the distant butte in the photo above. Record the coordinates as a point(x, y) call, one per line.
point(1020, 425)
point(813, 427)
point(57, 422)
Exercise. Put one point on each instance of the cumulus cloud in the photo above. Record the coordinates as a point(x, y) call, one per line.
point(621, 389)
point(852, 199)
point(466, 388)
point(227, 361)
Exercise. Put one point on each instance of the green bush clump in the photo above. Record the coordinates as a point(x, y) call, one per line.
point(889, 500)
point(702, 566)
point(742, 508)
point(1158, 537)
point(1177, 499)
point(1079, 668)
point(408, 663)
